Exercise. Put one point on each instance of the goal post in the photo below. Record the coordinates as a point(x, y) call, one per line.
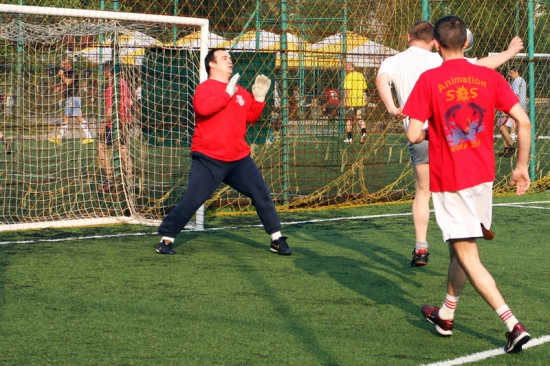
point(53, 172)
point(114, 15)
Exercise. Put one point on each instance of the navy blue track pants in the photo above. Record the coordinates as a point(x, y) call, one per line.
point(205, 177)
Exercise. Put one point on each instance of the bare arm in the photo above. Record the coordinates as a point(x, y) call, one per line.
point(416, 133)
point(346, 92)
point(109, 115)
point(520, 176)
point(384, 90)
point(492, 62)
point(64, 79)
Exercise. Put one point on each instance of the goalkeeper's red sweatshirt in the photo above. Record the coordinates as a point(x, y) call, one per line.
point(220, 121)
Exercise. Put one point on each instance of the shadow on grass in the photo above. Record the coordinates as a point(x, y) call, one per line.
point(382, 265)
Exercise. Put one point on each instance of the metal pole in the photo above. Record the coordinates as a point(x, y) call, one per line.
point(343, 69)
point(175, 29)
point(100, 83)
point(115, 106)
point(18, 105)
point(258, 24)
point(284, 99)
point(532, 112)
point(100, 69)
point(517, 17)
point(425, 10)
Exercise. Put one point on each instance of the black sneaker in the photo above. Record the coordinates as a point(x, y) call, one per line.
point(165, 248)
point(280, 246)
point(420, 258)
point(509, 151)
point(108, 134)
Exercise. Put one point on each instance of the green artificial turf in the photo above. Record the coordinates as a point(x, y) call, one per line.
point(347, 296)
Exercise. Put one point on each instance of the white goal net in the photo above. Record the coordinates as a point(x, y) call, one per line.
point(95, 115)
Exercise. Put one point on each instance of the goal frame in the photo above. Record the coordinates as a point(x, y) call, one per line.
point(112, 15)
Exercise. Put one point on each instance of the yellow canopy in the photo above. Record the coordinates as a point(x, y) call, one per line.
point(254, 41)
point(297, 49)
point(101, 55)
point(309, 60)
point(334, 43)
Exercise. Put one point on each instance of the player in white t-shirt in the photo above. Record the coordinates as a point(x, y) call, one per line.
point(403, 70)
point(519, 86)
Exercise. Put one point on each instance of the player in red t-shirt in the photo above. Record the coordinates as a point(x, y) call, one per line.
point(122, 97)
point(332, 103)
point(458, 100)
point(220, 153)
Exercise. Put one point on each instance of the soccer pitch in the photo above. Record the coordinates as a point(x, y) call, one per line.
point(347, 296)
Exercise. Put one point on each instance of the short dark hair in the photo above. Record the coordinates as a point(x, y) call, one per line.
point(108, 66)
point(422, 30)
point(210, 58)
point(450, 32)
point(515, 68)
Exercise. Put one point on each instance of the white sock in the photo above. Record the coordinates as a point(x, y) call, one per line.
point(421, 245)
point(507, 317)
point(276, 236)
point(64, 128)
point(447, 310)
point(167, 238)
point(87, 132)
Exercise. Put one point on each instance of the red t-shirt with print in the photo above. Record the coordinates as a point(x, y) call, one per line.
point(459, 99)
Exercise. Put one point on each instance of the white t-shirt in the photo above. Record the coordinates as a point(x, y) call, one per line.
point(405, 68)
point(520, 89)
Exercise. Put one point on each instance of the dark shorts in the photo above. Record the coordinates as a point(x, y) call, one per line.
point(331, 110)
point(106, 136)
point(355, 112)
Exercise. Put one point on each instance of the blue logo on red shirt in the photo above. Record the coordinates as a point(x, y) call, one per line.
point(463, 123)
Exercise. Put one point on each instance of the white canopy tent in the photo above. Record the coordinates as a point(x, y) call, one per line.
point(131, 49)
point(360, 50)
point(192, 41)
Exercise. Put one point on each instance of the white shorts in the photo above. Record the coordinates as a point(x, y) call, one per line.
point(506, 121)
point(460, 214)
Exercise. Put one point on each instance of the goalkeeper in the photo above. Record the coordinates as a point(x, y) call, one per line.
point(220, 153)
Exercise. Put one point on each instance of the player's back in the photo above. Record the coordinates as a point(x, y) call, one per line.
point(459, 99)
point(406, 67)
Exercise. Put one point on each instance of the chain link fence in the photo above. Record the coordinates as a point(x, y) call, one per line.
point(299, 142)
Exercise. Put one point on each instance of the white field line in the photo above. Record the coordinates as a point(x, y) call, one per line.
point(73, 238)
point(288, 223)
point(524, 205)
point(487, 354)
point(208, 229)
